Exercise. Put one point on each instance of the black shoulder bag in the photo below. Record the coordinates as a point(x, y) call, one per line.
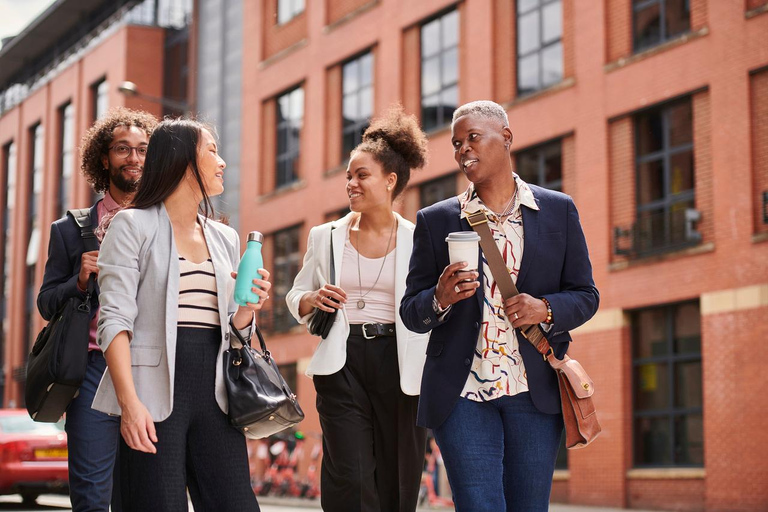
point(321, 322)
point(56, 366)
point(260, 401)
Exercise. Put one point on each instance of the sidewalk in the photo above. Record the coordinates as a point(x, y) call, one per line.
point(315, 505)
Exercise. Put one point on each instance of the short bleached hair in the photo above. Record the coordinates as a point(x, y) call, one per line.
point(482, 108)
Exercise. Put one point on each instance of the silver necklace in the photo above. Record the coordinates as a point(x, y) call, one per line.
point(361, 301)
point(507, 209)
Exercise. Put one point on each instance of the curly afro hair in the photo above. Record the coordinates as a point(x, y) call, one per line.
point(397, 142)
point(95, 143)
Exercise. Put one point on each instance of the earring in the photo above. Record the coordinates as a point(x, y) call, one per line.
point(389, 188)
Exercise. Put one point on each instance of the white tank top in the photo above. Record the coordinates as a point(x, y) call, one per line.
point(380, 300)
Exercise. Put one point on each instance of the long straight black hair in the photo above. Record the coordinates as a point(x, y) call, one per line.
point(173, 148)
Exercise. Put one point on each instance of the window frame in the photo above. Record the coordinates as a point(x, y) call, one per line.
point(357, 127)
point(438, 182)
point(10, 166)
point(541, 170)
point(280, 318)
point(669, 200)
point(286, 123)
point(295, 8)
point(663, 36)
point(670, 359)
point(443, 114)
point(66, 114)
point(540, 49)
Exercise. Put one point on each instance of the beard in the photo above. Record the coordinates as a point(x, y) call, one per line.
point(123, 184)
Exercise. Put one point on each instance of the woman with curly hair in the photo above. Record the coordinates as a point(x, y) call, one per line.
point(113, 153)
point(367, 370)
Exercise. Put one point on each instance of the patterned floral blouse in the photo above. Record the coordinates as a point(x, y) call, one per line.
point(497, 368)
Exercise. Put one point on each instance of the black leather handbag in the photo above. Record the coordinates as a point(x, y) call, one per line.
point(321, 322)
point(57, 364)
point(260, 401)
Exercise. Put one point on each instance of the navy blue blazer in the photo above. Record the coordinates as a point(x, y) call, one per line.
point(65, 250)
point(555, 265)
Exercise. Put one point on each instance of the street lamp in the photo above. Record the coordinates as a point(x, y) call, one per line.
point(131, 90)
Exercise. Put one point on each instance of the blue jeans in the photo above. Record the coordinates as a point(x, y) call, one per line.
point(500, 455)
point(92, 439)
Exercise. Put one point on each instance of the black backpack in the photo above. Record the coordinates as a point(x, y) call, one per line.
point(56, 366)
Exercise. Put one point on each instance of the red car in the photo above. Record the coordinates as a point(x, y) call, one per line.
point(33, 456)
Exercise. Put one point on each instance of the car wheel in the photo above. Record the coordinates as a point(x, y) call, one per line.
point(29, 498)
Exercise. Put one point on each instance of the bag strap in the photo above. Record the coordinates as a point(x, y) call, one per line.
point(479, 222)
point(82, 217)
point(237, 342)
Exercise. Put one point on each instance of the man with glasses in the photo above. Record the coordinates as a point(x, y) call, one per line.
point(112, 160)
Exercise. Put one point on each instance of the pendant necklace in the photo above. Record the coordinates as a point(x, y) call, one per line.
point(361, 301)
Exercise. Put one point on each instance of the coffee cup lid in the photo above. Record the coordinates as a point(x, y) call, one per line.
point(463, 236)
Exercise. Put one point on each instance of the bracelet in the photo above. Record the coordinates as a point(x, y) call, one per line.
point(549, 311)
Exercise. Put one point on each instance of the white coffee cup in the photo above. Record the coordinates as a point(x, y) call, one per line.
point(463, 246)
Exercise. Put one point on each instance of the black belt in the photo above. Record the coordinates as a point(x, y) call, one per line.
point(370, 330)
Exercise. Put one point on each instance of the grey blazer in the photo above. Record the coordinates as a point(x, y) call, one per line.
point(139, 281)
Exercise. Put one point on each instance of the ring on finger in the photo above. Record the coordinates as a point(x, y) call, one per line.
point(517, 317)
point(457, 289)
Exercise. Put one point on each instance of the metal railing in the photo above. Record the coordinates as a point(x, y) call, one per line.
point(657, 232)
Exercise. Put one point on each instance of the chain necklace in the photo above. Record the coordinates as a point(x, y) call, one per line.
point(507, 209)
point(361, 301)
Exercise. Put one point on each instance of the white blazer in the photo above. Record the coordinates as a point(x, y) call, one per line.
point(331, 353)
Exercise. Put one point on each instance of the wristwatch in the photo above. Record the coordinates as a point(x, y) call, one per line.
point(436, 306)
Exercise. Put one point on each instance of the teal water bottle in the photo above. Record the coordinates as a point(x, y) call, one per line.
point(248, 270)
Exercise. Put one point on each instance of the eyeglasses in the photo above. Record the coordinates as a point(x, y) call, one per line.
point(123, 150)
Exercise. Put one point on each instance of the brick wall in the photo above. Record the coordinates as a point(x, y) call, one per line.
point(621, 175)
point(568, 149)
point(280, 37)
point(333, 122)
point(337, 9)
point(618, 22)
point(699, 12)
point(702, 156)
point(268, 146)
point(504, 45)
point(759, 114)
point(735, 411)
point(411, 84)
point(597, 473)
point(666, 494)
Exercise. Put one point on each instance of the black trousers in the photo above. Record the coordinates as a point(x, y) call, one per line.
point(196, 449)
point(373, 452)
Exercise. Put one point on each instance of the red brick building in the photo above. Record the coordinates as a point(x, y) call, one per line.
point(652, 114)
point(56, 78)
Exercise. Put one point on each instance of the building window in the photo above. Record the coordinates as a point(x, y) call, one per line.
point(439, 70)
point(357, 101)
point(9, 167)
point(33, 247)
point(288, 9)
point(285, 267)
point(542, 165)
point(100, 98)
point(436, 190)
point(539, 44)
point(66, 163)
point(665, 178)
point(336, 215)
point(290, 113)
point(668, 406)
point(657, 21)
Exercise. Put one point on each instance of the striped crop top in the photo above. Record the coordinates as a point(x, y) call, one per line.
point(198, 299)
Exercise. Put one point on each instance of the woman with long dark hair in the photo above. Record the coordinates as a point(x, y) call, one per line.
point(167, 314)
point(367, 370)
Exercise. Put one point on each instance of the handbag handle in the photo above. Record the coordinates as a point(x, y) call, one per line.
point(242, 342)
point(479, 222)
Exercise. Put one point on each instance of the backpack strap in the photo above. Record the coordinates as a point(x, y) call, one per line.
point(82, 217)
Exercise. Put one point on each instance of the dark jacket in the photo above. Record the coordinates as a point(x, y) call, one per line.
point(555, 265)
point(65, 250)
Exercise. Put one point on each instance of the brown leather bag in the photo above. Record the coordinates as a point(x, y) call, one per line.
point(576, 388)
